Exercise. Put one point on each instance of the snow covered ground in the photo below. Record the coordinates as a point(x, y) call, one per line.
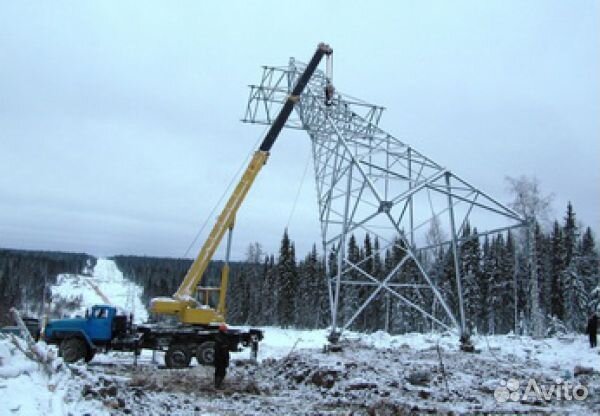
point(372, 374)
point(377, 373)
point(27, 389)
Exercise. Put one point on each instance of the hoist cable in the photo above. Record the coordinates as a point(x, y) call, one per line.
point(226, 191)
point(299, 190)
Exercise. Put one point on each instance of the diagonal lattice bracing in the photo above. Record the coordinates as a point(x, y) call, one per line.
point(369, 181)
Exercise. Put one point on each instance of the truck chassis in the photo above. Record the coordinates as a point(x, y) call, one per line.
point(81, 338)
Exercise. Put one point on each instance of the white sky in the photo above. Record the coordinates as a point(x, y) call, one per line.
point(119, 122)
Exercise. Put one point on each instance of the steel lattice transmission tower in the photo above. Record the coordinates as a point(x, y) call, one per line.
point(369, 181)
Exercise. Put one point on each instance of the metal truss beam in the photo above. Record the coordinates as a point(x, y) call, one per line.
point(369, 181)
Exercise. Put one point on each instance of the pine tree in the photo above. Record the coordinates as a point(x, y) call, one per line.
point(588, 245)
point(303, 308)
point(510, 289)
point(415, 320)
point(573, 280)
point(404, 317)
point(245, 293)
point(388, 300)
point(589, 264)
point(591, 267)
point(489, 288)
point(523, 293)
point(270, 293)
point(436, 273)
point(556, 269)
point(253, 282)
point(395, 308)
point(316, 297)
point(368, 314)
point(569, 234)
point(470, 253)
point(575, 296)
point(237, 298)
point(350, 299)
point(377, 311)
point(448, 283)
point(545, 282)
point(307, 296)
point(286, 281)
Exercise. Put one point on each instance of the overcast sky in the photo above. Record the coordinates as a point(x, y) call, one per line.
point(120, 121)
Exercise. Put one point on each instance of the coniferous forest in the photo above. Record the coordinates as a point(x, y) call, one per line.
point(24, 274)
point(289, 290)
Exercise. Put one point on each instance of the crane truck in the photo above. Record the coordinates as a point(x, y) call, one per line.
point(106, 328)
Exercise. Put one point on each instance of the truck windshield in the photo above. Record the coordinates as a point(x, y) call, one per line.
point(100, 313)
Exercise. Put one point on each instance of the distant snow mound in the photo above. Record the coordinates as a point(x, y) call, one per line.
point(105, 284)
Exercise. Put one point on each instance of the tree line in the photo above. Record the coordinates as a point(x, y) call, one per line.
point(24, 274)
point(284, 290)
point(495, 273)
point(161, 276)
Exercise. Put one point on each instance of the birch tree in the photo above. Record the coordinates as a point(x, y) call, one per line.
point(533, 206)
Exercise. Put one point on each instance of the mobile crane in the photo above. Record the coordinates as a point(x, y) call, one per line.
point(183, 304)
point(105, 328)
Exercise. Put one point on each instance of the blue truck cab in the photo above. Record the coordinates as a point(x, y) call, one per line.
point(81, 337)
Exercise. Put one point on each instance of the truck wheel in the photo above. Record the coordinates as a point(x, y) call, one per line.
point(205, 353)
point(178, 356)
point(73, 349)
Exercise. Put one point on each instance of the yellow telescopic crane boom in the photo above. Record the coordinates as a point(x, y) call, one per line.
point(183, 304)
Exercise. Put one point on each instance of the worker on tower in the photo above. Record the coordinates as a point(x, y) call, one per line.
point(221, 356)
point(329, 90)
